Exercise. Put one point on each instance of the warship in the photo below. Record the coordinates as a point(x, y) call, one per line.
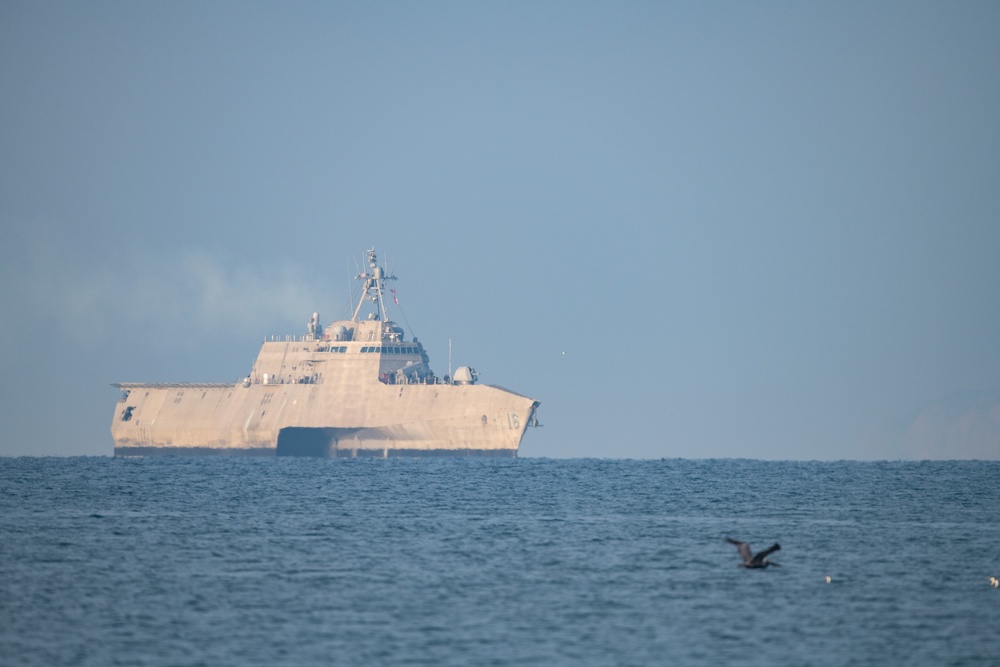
point(356, 387)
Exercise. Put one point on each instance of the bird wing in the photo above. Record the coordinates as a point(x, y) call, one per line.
point(743, 548)
point(759, 558)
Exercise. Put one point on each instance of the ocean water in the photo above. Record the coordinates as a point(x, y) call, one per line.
point(223, 561)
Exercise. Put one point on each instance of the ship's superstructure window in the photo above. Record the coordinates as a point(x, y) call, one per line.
point(376, 349)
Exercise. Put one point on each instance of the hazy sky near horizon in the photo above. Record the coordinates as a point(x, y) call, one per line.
point(699, 229)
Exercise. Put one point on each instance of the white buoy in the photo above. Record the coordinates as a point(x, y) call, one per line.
point(828, 579)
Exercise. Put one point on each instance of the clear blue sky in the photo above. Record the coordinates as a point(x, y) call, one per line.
point(698, 229)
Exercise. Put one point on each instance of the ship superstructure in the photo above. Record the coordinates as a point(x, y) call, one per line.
point(356, 387)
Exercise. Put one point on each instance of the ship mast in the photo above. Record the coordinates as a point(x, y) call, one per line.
point(374, 287)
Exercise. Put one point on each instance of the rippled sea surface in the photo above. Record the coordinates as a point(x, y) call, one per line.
point(209, 561)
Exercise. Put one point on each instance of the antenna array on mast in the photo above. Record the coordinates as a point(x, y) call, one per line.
point(373, 289)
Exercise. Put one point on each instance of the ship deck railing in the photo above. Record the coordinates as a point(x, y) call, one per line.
point(173, 385)
point(290, 338)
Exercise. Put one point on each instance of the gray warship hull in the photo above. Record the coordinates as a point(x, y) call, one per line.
point(374, 419)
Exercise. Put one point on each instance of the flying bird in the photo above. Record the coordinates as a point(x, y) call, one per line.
point(754, 560)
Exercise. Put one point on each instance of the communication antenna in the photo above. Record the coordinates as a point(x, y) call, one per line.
point(350, 292)
point(449, 358)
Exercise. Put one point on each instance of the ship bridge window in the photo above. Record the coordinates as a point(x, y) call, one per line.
point(127, 414)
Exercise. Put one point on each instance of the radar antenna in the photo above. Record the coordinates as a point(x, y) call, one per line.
point(373, 289)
